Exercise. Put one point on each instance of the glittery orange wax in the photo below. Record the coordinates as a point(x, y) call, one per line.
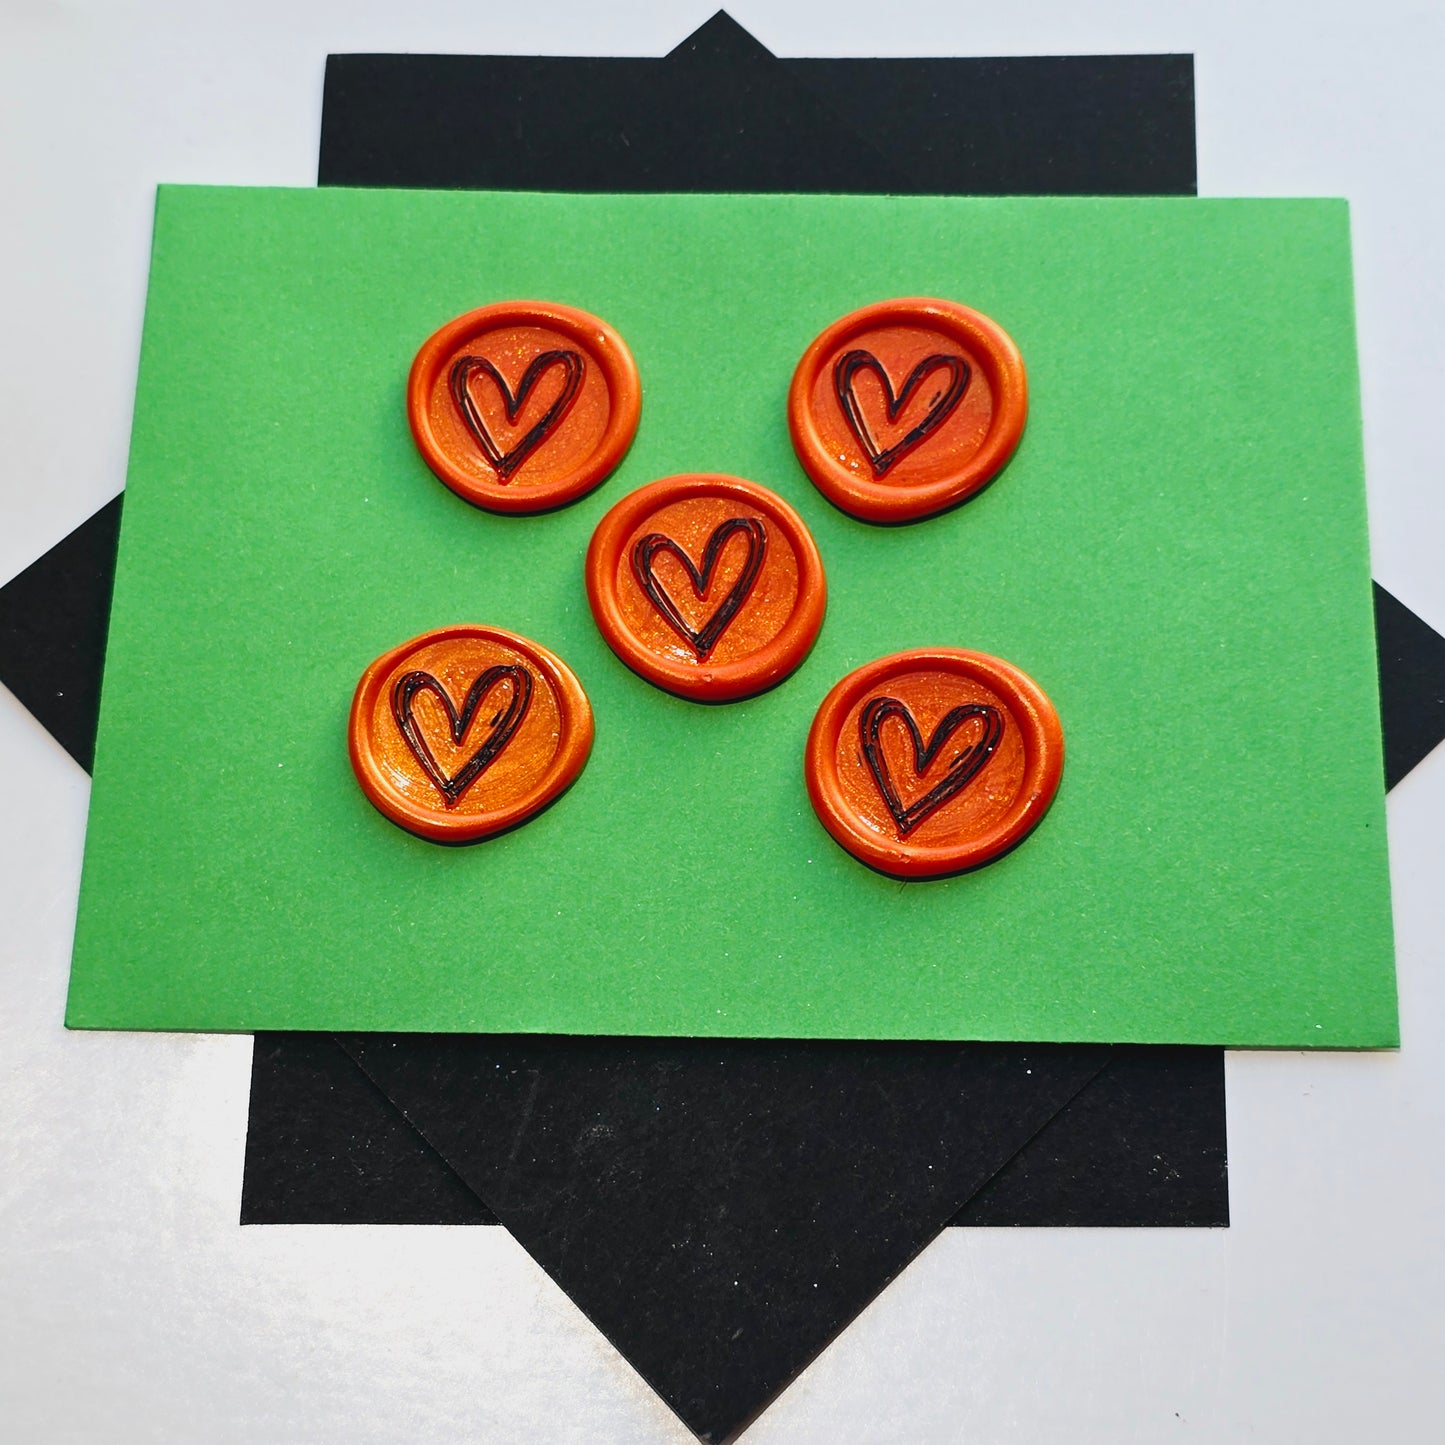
point(904, 408)
point(523, 406)
point(931, 762)
point(706, 585)
point(467, 731)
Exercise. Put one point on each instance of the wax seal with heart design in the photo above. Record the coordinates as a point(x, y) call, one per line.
point(467, 731)
point(928, 763)
point(523, 406)
point(905, 408)
point(708, 586)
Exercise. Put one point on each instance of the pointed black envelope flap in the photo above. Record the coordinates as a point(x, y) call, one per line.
point(715, 115)
point(670, 1186)
point(53, 621)
point(1412, 685)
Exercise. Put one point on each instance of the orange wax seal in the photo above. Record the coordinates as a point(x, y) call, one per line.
point(525, 405)
point(932, 762)
point(467, 731)
point(708, 586)
point(904, 408)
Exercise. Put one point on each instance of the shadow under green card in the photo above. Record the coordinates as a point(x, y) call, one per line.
point(1177, 553)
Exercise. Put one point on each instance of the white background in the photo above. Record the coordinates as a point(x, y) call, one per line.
point(132, 1307)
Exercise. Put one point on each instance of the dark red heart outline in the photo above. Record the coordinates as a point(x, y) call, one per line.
point(851, 363)
point(459, 381)
point(646, 548)
point(504, 724)
point(965, 767)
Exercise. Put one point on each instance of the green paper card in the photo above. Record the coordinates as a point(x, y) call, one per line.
point(1177, 553)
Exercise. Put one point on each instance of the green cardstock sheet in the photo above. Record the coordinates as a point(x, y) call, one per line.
point(1177, 553)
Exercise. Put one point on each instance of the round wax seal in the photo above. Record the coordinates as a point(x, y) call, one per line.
point(525, 405)
point(467, 731)
point(708, 586)
point(932, 762)
point(905, 408)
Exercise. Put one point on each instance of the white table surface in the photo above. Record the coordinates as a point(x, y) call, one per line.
point(132, 1306)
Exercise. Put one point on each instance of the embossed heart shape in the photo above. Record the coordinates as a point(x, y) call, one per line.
point(502, 729)
point(940, 407)
point(702, 640)
point(962, 770)
point(459, 380)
